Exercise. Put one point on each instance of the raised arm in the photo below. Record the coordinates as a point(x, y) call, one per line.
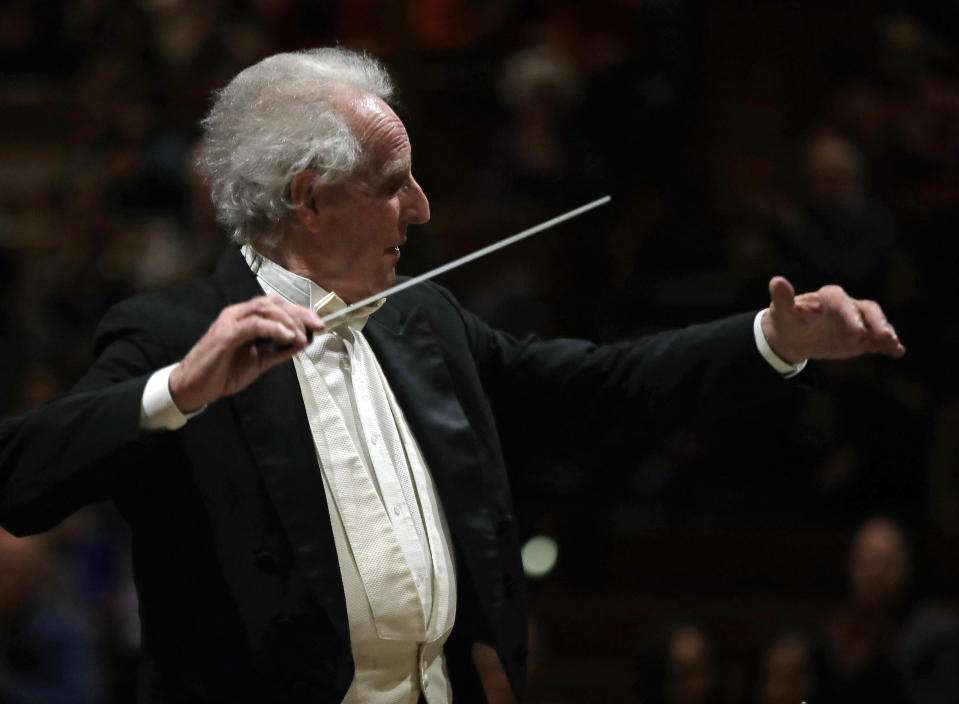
point(72, 450)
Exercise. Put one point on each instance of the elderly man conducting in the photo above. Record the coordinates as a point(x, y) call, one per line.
point(329, 519)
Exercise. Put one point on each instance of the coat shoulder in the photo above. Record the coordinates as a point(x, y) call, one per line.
point(430, 298)
point(174, 317)
point(201, 295)
point(424, 292)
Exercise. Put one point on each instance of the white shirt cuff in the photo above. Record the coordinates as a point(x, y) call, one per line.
point(775, 361)
point(157, 409)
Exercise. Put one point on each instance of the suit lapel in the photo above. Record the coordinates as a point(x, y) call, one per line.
point(407, 350)
point(276, 428)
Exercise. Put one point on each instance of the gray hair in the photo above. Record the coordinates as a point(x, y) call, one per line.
point(272, 121)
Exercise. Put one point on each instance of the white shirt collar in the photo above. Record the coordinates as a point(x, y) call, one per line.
point(303, 291)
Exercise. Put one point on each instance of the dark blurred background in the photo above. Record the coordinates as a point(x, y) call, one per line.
point(816, 139)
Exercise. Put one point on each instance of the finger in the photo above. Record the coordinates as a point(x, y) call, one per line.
point(280, 310)
point(252, 328)
point(875, 321)
point(259, 305)
point(241, 310)
point(304, 319)
point(883, 335)
point(808, 302)
point(309, 319)
point(782, 294)
point(851, 318)
point(289, 314)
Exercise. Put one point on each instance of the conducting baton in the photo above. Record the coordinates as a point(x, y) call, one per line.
point(269, 343)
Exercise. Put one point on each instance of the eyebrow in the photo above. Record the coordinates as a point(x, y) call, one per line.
point(397, 167)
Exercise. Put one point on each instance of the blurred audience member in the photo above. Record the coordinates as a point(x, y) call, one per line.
point(684, 673)
point(841, 235)
point(48, 650)
point(540, 84)
point(887, 644)
point(690, 677)
point(788, 671)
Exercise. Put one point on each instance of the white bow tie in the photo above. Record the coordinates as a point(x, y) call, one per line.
point(331, 303)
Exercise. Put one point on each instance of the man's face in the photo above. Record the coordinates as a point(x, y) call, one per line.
point(361, 223)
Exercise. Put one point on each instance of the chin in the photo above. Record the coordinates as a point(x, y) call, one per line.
point(381, 285)
point(389, 280)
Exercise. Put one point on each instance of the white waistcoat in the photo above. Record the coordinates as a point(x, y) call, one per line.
point(392, 541)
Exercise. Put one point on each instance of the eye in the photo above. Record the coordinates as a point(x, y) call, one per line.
point(395, 186)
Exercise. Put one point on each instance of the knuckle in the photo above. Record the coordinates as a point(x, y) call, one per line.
point(231, 312)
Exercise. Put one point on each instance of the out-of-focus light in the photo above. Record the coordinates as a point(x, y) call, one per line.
point(539, 556)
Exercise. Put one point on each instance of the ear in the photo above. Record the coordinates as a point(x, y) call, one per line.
point(303, 198)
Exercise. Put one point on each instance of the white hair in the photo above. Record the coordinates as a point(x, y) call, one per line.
point(272, 121)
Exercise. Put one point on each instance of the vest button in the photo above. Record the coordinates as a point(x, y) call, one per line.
point(267, 561)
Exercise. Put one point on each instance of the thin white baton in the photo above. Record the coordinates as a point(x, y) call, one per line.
point(470, 257)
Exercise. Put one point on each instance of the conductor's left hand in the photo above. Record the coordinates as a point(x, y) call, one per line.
point(825, 324)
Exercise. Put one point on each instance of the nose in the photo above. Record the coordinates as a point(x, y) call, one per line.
point(417, 207)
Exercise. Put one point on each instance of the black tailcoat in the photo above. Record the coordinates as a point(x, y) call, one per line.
point(234, 561)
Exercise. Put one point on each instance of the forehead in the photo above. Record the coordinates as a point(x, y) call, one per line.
point(879, 538)
point(378, 129)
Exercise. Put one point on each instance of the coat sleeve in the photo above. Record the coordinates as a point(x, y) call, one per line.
point(72, 450)
point(656, 383)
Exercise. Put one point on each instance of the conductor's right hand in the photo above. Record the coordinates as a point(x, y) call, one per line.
point(226, 359)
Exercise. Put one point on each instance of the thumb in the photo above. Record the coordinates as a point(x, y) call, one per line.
point(782, 294)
